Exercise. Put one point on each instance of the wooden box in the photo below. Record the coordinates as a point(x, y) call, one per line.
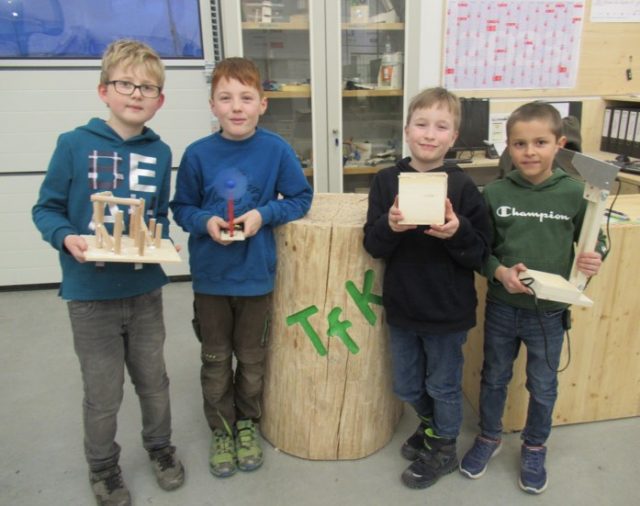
point(421, 197)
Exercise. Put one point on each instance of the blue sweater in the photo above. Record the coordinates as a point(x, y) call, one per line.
point(91, 159)
point(264, 167)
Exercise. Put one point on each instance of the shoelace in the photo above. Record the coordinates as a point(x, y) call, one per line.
point(113, 482)
point(165, 461)
point(484, 449)
point(533, 460)
point(224, 444)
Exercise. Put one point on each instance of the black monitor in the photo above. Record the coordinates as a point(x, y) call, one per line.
point(474, 126)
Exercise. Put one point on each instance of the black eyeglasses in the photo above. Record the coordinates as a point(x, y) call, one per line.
point(128, 88)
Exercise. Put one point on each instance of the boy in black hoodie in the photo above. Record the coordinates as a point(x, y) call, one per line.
point(428, 292)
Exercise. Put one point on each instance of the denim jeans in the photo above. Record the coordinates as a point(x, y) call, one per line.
point(505, 328)
point(427, 373)
point(107, 335)
point(232, 326)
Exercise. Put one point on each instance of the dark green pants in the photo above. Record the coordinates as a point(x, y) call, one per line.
point(232, 327)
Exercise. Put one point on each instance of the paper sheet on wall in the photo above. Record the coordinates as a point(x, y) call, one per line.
point(498, 131)
point(512, 44)
point(615, 11)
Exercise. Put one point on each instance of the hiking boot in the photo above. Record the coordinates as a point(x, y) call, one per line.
point(437, 458)
point(412, 446)
point(476, 460)
point(108, 487)
point(248, 446)
point(168, 470)
point(533, 476)
point(222, 454)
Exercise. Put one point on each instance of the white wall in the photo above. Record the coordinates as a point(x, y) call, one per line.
point(36, 105)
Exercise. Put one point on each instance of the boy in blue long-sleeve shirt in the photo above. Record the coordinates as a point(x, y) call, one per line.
point(255, 173)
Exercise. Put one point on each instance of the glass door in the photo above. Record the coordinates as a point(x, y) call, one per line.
point(372, 35)
point(276, 36)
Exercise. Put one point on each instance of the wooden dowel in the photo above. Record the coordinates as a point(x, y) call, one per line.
point(107, 199)
point(117, 232)
point(158, 235)
point(141, 242)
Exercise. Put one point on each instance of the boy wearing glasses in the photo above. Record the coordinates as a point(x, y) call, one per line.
point(115, 308)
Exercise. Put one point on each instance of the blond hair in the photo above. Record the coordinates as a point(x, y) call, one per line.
point(132, 54)
point(439, 97)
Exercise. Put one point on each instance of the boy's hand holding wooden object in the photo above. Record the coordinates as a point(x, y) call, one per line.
point(421, 197)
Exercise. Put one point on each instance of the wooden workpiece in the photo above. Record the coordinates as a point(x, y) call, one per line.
point(142, 244)
point(421, 197)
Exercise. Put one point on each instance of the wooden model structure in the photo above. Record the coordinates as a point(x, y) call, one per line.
point(421, 197)
point(142, 244)
point(599, 177)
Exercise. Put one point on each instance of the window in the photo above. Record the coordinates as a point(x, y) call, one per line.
point(78, 29)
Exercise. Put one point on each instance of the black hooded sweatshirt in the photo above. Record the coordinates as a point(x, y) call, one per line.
point(429, 282)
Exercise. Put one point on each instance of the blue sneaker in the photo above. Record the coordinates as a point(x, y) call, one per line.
point(533, 476)
point(476, 460)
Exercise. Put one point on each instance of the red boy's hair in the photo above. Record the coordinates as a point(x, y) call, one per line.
point(240, 69)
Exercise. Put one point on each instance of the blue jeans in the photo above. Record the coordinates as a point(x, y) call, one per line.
point(427, 373)
point(505, 328)
point(107, 335)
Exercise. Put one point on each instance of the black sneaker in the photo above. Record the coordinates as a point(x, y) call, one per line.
point(108, 487)
point(411, 448)
point(437, 459)
point(168, 470)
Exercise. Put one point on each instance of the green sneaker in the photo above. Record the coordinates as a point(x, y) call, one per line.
point(222, 454)
point(248, 446)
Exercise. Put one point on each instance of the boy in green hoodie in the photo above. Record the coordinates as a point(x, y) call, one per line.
point(115, 308)
point(537, 212)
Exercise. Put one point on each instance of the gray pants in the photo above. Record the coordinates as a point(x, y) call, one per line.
point(228, 326)
point(107, 335)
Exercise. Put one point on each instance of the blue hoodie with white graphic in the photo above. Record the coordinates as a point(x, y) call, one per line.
point(90, 159)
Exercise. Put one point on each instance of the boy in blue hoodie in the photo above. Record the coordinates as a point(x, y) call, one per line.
point(115, 308)
point(254, 173)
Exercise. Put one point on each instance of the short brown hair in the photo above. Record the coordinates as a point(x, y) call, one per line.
point(537, 110)
point(132, 53)
point(436, 96)
point(240, 69)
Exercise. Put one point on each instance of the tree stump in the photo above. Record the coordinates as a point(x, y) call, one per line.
point(328, 383)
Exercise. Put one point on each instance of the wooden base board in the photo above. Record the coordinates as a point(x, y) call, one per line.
point(129, 253)
point(554, 287)
point(238, 235)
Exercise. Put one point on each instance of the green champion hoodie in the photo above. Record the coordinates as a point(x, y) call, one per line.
point(533, 224)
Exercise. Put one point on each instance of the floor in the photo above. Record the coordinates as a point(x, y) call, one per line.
point(42, 463)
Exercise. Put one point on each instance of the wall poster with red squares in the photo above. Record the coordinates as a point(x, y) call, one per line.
point(493, 44)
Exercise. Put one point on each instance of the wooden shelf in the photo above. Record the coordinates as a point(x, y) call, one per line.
point(373, 26)
point(396, 92)
point(345, 93)
point(622, 98)
point(298, 25)
point(287, 94)
point(358, 170)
